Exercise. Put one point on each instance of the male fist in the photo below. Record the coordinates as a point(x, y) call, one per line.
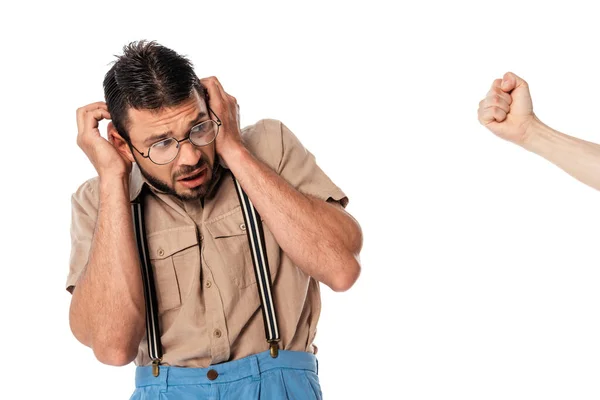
point(507, 109)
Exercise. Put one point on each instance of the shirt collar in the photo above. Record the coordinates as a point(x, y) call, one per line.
point(136, 182)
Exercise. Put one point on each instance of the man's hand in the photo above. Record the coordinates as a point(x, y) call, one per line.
point(507, 109)
point(226, 108)
point(101, 152)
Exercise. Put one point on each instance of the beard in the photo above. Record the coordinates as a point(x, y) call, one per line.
point(196, 193)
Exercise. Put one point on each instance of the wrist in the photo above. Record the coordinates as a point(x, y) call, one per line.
point(535, 134)
point(232, 152)
point(113, 181)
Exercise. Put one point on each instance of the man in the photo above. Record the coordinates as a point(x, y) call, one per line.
point(507, 111)
point(174, 145)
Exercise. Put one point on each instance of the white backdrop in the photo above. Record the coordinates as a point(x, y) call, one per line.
point(480, 263)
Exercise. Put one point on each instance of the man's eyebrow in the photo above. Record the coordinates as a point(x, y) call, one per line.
point(161, 136)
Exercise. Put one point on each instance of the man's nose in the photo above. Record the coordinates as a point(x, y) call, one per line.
point(188, 153)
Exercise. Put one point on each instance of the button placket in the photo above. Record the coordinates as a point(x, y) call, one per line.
point(216, 329)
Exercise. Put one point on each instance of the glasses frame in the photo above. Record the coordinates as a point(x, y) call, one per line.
point(187, 137)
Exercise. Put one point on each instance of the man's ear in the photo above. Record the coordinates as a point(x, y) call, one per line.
point(120, 144)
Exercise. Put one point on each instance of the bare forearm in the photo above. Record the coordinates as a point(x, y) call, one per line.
point(577, 157)
point(107, 308)
point(321, 239)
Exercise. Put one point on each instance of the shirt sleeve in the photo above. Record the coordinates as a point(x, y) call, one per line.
point(299, 167)
point(84, 211)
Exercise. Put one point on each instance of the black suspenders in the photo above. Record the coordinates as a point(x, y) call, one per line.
point(254, 231)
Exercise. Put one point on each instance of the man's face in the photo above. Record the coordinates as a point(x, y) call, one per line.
point(190, 175)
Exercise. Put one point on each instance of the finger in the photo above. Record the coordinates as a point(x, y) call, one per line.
point(224, 95)
point(511, 81)
point(93, 106)
point(82, 111)
point(496, 88)
point(93, 117)
point(502, 94)
point(496, 100)
point(209, 79)
point(214, 81)
point(496, 84)
point(491, 114)
point(212, 85)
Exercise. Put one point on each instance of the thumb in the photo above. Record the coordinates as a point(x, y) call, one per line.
point(511, 81)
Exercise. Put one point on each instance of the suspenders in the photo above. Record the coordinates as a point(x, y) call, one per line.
point(152, 327)
point(258, 252)
point(256, 238)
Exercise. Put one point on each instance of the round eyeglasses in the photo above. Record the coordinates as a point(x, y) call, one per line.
point(166, 150)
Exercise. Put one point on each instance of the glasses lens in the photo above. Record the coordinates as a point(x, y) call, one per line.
point(164, 151)
point(204, 133)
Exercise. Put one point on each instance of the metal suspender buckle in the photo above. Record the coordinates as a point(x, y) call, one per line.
point(155, 366)
point(274, 348)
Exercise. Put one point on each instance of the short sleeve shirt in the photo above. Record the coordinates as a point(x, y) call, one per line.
point(208, 301)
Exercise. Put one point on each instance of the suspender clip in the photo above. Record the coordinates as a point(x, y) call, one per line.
point(274, 349)
point(155, 366)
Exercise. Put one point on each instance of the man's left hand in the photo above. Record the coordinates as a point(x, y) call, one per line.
point(226, 108)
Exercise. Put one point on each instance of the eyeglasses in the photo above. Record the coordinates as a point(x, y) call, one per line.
point(165, 151)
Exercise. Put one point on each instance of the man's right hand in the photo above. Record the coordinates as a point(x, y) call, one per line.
point(507, 109)
point(101, 152)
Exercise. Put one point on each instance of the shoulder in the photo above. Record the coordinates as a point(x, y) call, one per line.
point(265, 140)
point(87, 194)
point(264, 132)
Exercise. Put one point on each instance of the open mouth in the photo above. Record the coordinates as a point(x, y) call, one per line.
point(194, 180)
point(192, 177)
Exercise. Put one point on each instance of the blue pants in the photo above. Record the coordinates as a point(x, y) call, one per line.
point(292, 375)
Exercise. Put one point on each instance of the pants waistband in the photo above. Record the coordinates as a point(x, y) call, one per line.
point(230, 371)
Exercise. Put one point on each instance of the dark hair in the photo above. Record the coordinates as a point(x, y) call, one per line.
point(148, 76)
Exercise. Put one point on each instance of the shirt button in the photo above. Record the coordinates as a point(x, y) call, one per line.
point(208, 284)
point(212, 374)
point(201, 237)
point(161, 252)
point(243, 227)
point(217, 333)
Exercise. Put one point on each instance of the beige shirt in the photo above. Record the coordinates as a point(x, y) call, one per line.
point(209, 308)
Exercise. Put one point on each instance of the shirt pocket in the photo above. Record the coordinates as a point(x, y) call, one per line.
point(233, 250)
point(175, 259)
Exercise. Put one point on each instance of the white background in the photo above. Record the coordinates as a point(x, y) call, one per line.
point(480, 263)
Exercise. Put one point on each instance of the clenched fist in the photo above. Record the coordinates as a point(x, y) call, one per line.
point(507, 109)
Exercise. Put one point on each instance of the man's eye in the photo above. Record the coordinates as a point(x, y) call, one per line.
point(200, 128)
point(163, 145)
